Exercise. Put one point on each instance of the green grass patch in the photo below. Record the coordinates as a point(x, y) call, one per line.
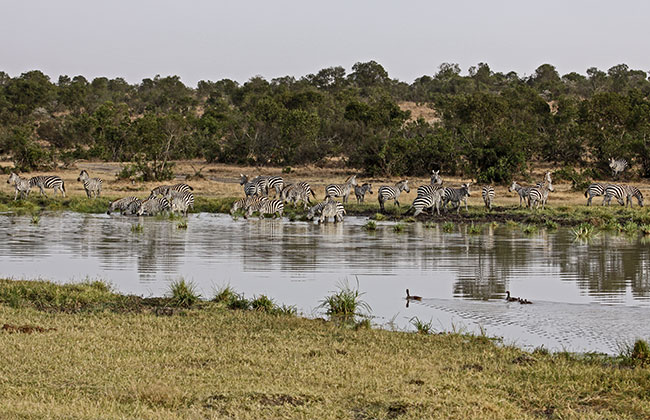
point(370, 226)
point(182, 224)
point(398, 227)
point(583, 231)
point(137, 228)
point(422, 327)
point(345, 305)
point(474, 229)
point(183, 294)
point(448, 227)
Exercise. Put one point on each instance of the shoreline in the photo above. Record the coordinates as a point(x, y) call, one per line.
point(157, 357)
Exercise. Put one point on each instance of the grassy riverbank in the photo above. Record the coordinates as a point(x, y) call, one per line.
point(564, 215)
point(90, 353)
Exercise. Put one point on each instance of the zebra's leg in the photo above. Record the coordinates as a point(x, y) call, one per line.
point(397, 203)
point(589, 201)
point(381, 204)
point(16, 194)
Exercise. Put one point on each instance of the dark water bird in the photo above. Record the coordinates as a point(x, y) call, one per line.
point(509, 298)
point(524, 301)
point(409, 297)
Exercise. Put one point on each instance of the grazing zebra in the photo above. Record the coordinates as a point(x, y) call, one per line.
point(154, 206)
point(488, 195)
point(21, 185)
point(93, 186)
point(126, 205)
point(318, 208)
point(341, 190)
point(165, 189)
point(180, 201)
point(427, 201)
point(521, 190)
point(48, 181)
point(330, 209)
point(254, 204)
point(271, 207)
point(594, 190)
point(617, 166)
point(455, 196)
point(619, 192)
point(386, 192)
point(360, 191)
point(297, 192)
point(539, 194)
point(241, 204)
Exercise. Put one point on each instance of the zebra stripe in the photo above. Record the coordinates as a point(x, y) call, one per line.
point(48, 181)
point(154, 206)
point(341, 190)
point(594, 190)
point(428, 189)
point(456, 195)
point(521, 191)
point(386, 192)
point(318, 209)
point(92, 186)
point(126, 205)
point(276, 183)
point(424, 202)
point(271, 207)
point(180, 201)
point(623, 194)
point(360, 191)
point(21, 185)
point(538, 195)
point(617, 166)
point(164, 190)
point(254, 204)
point(487, 193)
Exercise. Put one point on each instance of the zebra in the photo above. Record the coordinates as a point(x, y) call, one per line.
point(619, 191)
point(617, 166)
point(427, 201)
point(539, 194)
point(165, 189)
point(360, 191)
point(180, 201)
point(303, 185)
point(487, 193)
point(329, 210)
point(428, 189)
point(318, 208)
point(386, 193)
point(91, 185)
point(48, 181)
point(297, 192)
point(456, 195)
point(241, 204)
point(436, 179)
point(521, 190)
point(594, 190)
point(21, 185)
point(126, 205)
point(254, 204)
point(153, 206)
point(274, 207)
point(276, 183)
point(341, 190)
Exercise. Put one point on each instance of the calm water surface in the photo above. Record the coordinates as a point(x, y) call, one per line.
point(588, 296)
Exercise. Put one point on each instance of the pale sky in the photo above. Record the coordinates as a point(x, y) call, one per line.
point(213, 40)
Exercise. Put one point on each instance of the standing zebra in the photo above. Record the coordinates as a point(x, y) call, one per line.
point(153, 206)
point(250, 187)
point(48, 181)
point(427, 201)
point(93, 186)
point(386, 193)
point(329, 210)
point(488, 195)
point(436, 183)
point(623, 194)
point(21, 185)
point(360, 191)
point(455, 196)
point(180, 201)
point(275, 183)
point(126, 205)
point(271, 207)
point(165, 189)
point(341, 190)
point(617, 166)
point(436, 179)
point(521, 190)
point(318, 209)
point(538, 195)
point(594, 190)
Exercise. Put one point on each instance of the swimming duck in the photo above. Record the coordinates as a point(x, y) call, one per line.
point(511, 299)
point(409, 297)
point(525, 301)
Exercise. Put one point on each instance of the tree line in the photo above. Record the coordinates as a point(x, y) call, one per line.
point(488, 125)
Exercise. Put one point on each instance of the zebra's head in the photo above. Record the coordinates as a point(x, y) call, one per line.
point(639, 197)
point(243, 179)
point(547, 178)
point(12, 178)
point(368, 187)
point(513, 187)
point(83, 175)
point(435, 178)
point(403, 185)
point(466, 188)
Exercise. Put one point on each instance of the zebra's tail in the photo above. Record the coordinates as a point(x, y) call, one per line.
point(190, 187)
point(63, 186)
point(586, 191)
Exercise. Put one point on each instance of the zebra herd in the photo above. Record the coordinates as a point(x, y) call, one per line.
point(622, 193)
point(177, 198)
point(23, 186)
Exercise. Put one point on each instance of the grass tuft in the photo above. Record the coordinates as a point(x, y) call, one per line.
point(529, 229)
point(398, 228)
point(182, 224)
point(183, 293)
point(35, 219)
point(474, 229)
point(137, 228)
point(422, 327)
point(583, 231)
point(345, 304)
point(371, 225)
point(448, 227)
point(379, 217)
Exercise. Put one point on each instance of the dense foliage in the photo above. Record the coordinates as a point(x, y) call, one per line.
point(487, 125)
